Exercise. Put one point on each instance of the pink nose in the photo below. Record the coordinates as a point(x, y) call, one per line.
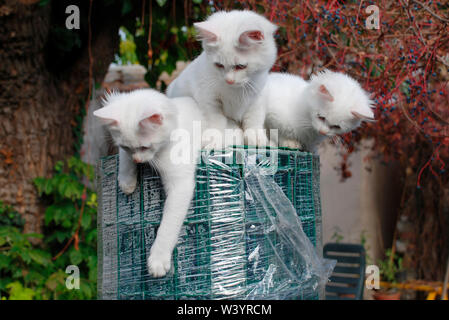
point(230, 81)
point(322, 132)
point(137, 160)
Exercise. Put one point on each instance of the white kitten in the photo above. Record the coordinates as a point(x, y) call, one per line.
point(305, 113)
point(141, 123)
point(239, 51)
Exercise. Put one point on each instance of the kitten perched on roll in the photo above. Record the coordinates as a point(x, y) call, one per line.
point(307, 112)
point(238, 52)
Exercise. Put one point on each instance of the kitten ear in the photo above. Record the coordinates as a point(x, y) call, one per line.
point(366, 115)
point(106, 116)
point(151, 121)
point(324, 93)
point(251, 37)
point(205, 33)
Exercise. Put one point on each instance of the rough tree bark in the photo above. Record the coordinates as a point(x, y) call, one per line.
point(41, 91)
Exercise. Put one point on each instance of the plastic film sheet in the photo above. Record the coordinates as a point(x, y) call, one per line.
point(253, 230)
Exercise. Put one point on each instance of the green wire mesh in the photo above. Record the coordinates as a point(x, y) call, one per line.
point(224, 249)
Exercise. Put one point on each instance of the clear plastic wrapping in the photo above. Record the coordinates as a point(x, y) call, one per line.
point(253, 230)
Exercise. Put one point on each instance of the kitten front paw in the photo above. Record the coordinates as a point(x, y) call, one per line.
point(158, 264)
point(127, 183)
point(292, 144)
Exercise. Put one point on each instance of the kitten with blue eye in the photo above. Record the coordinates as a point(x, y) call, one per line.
point(238, 52)
point(141, 124)
point(307, 112)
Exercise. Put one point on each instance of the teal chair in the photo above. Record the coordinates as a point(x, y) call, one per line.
point(348, 277)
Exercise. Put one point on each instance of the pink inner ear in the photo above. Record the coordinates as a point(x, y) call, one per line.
point(254, 35)
point(111, 122)
point(326, 94)
point(154, 119)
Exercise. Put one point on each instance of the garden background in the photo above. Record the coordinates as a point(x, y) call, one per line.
point(50, 74)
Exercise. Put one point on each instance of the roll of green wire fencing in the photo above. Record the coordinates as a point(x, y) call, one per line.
point(232, 246)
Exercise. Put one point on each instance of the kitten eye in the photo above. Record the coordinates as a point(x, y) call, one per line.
point(335, 127)
point(322, 118)
point(239, 67)
point(219, 65)
point(141, 149)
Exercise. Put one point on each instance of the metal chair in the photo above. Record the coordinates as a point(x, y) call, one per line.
point(348, 277)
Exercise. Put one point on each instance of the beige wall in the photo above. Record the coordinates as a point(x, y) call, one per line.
point(366, 203)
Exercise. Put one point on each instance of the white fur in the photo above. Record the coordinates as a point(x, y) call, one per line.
point(293, 106)
point(225, 42)
point(127, 117)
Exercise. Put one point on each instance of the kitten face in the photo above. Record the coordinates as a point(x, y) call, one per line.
point(328, 124)
point(140, 122)
point(338, 103)
point(140, 149)
point(238, 44)
point(234, 74)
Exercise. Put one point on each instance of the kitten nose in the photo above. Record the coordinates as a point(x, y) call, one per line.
point(323, 132)
point(136, 160)
point(230, 81)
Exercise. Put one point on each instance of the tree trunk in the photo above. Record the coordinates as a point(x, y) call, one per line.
point(42, 89)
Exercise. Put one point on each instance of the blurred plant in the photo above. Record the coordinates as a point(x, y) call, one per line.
point(38, 271)
point(337, 237)
point(390, 266)
point(127, 49)
point(164, 34)
point(17, 257)
point(364, 243)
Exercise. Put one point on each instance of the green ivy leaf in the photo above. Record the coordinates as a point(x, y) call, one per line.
point(47, 187)
point(61, 236)
point(4, 262)
point(25, 255)
point(85, 221)
point(49, 215)
point(66, 223)
point(18, 292)
point(53, 280)
point(91, 236)
point(39, 183)
point(40, 257)
point(59, 166)
point(86, 290)
point(76, 257)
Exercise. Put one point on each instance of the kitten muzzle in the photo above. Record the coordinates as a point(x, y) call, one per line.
point(322, 132)
point(137, 160)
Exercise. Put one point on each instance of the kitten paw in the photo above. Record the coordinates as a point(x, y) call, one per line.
point(292, 144)
point(127, 184)
point(158, 264)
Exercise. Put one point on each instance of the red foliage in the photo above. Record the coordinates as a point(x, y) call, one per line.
point(404, 64)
